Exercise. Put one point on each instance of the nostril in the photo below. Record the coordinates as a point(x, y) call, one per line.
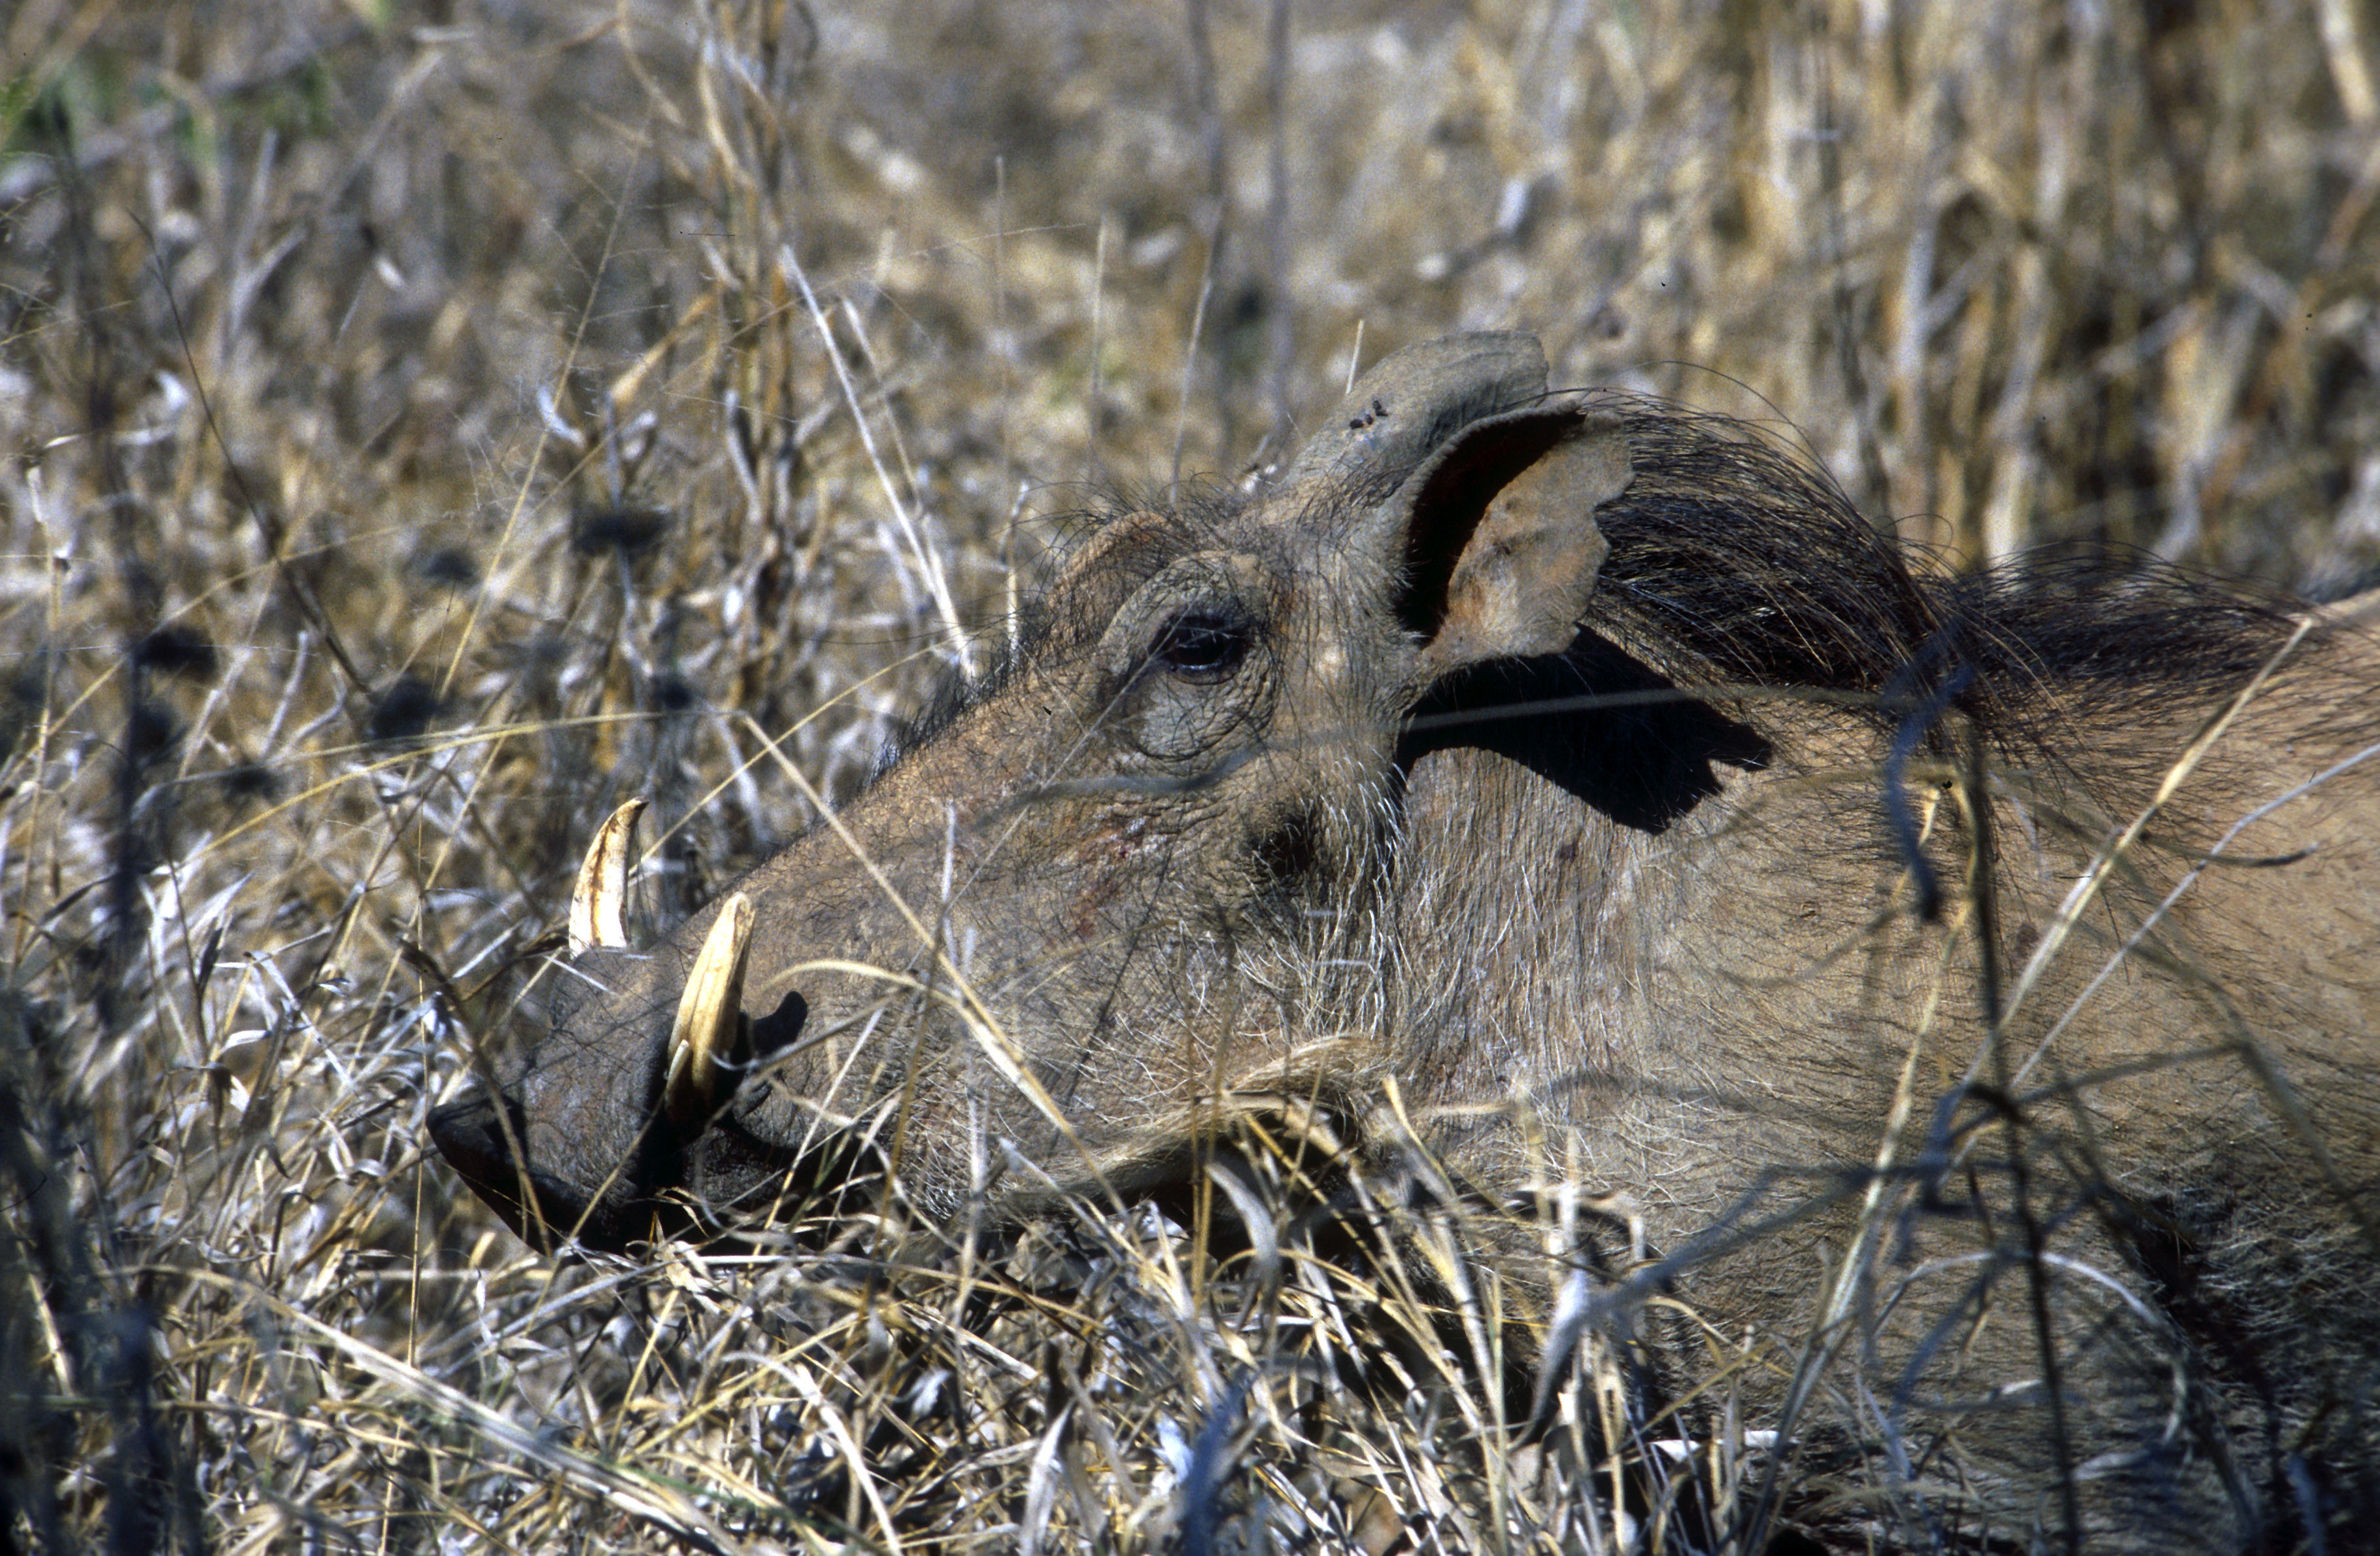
point(773, 1033)
point(470, 1138)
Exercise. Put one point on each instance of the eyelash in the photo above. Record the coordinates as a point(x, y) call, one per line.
point(1202, 646)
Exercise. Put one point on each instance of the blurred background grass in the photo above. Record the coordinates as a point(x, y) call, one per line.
point(427, 425)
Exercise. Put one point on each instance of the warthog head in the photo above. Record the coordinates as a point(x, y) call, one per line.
point(1587, 792)
point(1131, 873)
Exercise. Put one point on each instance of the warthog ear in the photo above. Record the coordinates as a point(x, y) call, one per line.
point(1411, 402)
point(1495, 538)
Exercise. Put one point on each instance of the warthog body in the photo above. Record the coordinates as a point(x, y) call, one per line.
point(1576, 771)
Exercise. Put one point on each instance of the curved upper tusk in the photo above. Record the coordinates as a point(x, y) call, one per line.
point(599, 900)
point(708, 1013)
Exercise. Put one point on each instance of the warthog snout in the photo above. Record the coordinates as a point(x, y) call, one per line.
point(1591, 780)
point(580, 1149)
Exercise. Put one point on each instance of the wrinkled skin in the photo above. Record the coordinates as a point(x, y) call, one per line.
point(1386, 774)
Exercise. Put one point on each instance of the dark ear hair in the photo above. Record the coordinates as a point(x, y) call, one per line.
point(1495, 536)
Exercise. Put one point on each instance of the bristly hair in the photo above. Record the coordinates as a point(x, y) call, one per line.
point(954, 692)
point(1741, 563)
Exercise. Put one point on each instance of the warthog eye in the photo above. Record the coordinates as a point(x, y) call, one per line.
point(1202, 645)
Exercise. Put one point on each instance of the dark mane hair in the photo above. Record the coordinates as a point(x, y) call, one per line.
point(1745, 565)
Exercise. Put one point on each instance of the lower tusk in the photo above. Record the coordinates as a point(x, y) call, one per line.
point(598, 901)
point(707, 1015)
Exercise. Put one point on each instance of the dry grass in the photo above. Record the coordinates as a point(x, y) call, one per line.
point(427, 427)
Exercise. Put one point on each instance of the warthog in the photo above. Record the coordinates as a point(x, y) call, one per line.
point(1975, 977)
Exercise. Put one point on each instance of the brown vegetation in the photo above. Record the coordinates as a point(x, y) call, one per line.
point(422, 433)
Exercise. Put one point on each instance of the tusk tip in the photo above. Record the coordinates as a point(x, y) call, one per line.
point(709, 1014)
point(599, 900)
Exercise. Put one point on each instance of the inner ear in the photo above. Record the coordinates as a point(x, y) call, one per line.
point(1500, 549)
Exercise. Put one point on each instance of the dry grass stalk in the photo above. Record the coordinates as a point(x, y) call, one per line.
point(427, 429)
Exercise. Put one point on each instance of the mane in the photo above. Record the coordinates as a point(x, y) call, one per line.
point(1741, 565)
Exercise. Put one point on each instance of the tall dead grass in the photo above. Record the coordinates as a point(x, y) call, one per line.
point(428, 425)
